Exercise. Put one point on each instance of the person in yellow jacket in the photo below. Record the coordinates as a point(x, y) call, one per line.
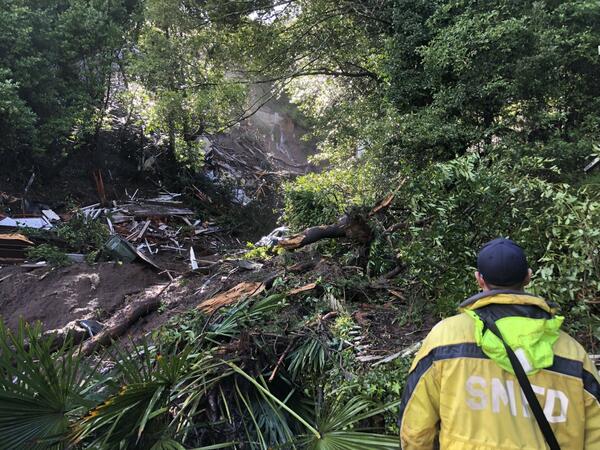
point(461, 389)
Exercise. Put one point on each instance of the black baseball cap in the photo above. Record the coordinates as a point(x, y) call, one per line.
point(502, 262)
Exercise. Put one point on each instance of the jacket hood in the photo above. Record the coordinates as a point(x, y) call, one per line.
point(527, 323)
point(506, 297)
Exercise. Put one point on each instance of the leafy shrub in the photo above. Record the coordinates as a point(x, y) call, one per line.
point(318, 199)
point(83, 235)
point(453, 208)
point(78, 235)
point(379, 384)
point(49, 253)
point(261, 252)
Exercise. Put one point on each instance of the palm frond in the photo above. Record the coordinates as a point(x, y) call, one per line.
point(309, 357)
point(338, 427)
point(41, 390)
point(152, 386)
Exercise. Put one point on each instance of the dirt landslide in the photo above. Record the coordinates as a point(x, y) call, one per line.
point(103, 291)
point(107, 292)
point(56, 297)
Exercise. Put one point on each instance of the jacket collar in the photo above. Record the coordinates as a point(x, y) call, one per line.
point(506, 296)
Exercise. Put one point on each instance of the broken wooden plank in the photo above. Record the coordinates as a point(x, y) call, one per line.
point(120, 218)
point(408, 351)
point(86, 208)
point(305, 288)
point(242, 290)
point(592, 165)
point(6, 277)
point(50, 215)
point(143, 231)
point(110, 226)
point(369, 358)
point(151, 210)
point(397, 294)
point(245, 264)
point(193, 262)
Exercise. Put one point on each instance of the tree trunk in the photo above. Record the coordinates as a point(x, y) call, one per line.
point(123, 321)
point(354, 227)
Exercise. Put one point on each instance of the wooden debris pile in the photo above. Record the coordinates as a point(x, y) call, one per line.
point(154, 224)
point(13, 247)
point(252, 171)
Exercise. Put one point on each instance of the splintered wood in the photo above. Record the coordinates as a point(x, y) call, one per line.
point(242, 290)
point(306, 288)
point(383, 204)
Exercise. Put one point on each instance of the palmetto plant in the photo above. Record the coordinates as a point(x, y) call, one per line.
point(161, 391)
point(177, 394)
point(42, 390)
point(335, 427)
point(309, 356)
point(339, 428)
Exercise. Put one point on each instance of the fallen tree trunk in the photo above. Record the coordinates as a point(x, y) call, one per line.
point(352, 226)
point(123, 321)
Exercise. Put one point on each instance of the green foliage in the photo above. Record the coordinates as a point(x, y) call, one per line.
point(464, 203)
point(308, 358)
point(508, 70)
point(82, 234)
point(380, 384)
point(16, 118)
point(78, 235)
point(342, 326)
point(66, 62)
point(261, 253)
point(179, 66)
point(320, 199)
point(49, 253)
point(41, 390)
point(57, 56)
point(151, 380)
point(336, 423)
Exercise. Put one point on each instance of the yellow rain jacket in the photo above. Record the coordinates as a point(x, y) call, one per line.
point(458, 391)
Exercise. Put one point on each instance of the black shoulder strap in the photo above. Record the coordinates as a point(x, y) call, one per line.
point(534, 404)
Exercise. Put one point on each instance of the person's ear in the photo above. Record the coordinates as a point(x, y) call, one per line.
point(480, 280)
point(528, 277)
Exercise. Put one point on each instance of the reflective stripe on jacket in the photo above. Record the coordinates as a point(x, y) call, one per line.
point(456, 390)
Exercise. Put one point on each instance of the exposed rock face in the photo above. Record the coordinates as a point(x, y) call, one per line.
point(278, 126)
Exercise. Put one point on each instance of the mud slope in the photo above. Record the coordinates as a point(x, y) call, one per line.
point(56, 297)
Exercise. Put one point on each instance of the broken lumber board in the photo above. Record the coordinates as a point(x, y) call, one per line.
point(151, 210)
point(242, 290)
point(305, 288)
point(408, 351)
point(144, 229)
point(193, 262)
